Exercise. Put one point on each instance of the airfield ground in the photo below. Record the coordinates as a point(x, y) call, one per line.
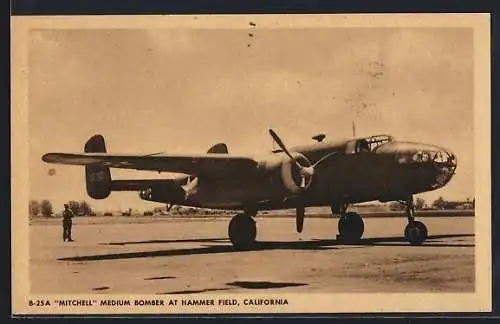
point(148, 255)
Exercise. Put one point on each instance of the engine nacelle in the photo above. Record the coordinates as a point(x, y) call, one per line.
point(290, 173)
point(283, 175)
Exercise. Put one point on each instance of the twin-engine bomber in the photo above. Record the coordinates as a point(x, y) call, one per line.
point(323, 173)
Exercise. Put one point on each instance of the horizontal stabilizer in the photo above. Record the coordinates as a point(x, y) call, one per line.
point(188, 164)
point(137, 185)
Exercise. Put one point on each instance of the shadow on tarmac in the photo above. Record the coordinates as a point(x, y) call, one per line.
point(160, 278)
point(167, 241)
point(241, 284)
point(295, 245)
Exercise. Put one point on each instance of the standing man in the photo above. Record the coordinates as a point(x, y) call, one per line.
point(67, 223)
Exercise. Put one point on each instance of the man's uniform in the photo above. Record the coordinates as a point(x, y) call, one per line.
point(67, 224)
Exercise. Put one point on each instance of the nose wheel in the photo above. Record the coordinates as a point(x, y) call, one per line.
point(416, 231)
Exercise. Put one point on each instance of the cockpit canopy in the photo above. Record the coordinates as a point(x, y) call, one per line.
point(368, 144)
point(378, 140)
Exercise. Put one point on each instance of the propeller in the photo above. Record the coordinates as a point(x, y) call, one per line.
point(300, 212)
point(305, 171)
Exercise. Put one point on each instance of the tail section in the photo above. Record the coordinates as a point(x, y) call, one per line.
point(98, 178)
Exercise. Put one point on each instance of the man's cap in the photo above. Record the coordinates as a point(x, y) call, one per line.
point(66, 205)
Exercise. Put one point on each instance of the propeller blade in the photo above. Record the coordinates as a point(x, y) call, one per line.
point(324, 158)
point(303, 182)
point(282, 146)
point(299, 220)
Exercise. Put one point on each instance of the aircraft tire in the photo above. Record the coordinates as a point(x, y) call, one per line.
point(351, 227)
point(416, 233)
point(242, 232)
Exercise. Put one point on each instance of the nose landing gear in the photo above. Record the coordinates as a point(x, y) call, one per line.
point(415, 231)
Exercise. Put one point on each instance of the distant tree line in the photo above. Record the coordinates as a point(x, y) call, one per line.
point(44, 208)
point(40, 208)
point(439, 203)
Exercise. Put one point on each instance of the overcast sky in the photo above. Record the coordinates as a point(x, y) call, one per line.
point(182, 90)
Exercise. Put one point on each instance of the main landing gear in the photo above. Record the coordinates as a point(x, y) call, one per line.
point(243, 231)
point(415, 231)
point(351, 226)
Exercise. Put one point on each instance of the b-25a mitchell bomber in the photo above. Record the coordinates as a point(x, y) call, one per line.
point(324, 173)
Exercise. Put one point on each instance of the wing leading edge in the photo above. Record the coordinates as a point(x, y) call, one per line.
point(192, 164)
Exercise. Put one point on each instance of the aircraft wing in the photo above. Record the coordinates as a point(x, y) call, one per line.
point(192, 164)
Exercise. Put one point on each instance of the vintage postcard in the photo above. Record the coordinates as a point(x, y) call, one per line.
point(220, 164)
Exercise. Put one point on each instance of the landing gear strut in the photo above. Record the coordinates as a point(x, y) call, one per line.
point(242, 231)
point(350, 226)
point(415, 231)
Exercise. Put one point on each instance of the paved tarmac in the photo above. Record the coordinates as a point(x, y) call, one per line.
point(147, 255)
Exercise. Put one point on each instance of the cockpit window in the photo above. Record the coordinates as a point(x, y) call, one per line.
point(369, 144)
point(422, 156)
point(362, 146)
point(441, 157)
point(378, 140)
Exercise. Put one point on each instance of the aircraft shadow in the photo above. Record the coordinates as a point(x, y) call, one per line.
point(210, 249)
point(296, 245)
point(201, 240)
point(401, 241)
point(241, 284)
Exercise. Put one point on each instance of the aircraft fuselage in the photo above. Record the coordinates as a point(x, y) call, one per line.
point(390, 171)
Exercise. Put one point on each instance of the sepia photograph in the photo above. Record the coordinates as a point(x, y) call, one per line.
point(251, 164)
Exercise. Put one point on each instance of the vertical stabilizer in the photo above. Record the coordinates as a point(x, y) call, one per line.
point(219, 148)
point(97, 177)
